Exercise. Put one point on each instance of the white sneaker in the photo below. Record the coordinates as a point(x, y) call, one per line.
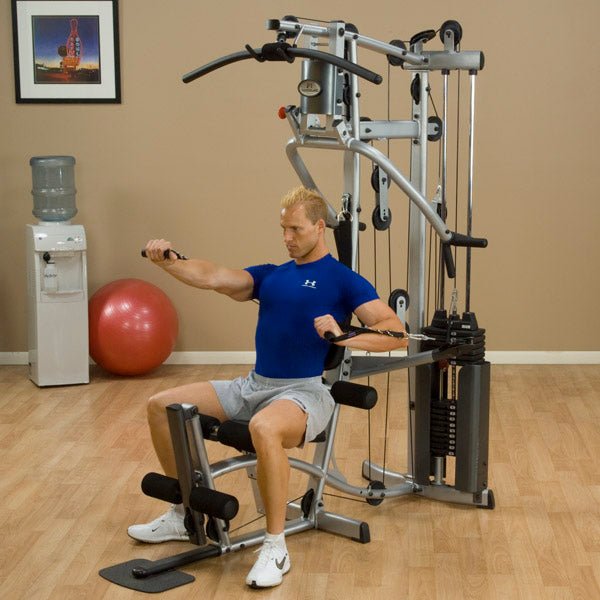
point(272, 564)
point(167, 528)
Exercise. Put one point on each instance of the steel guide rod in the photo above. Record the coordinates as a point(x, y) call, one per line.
point(444, 184)
point(470, 188)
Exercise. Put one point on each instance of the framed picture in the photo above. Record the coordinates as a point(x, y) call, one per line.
point(66, 51)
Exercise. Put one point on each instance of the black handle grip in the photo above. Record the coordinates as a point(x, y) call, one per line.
point(465, 241)
point(166, 254)
point(217, 64)
point(329, 336)
point(337, 62)
point(448, 261)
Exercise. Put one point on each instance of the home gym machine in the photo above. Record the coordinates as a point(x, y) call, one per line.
point(448, 377)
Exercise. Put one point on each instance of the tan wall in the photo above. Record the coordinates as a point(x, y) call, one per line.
point(203, 164)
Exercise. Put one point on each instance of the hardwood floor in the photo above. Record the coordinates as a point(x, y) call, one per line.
point(72, 459)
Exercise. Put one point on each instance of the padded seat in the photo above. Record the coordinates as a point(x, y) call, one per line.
point(236, 434)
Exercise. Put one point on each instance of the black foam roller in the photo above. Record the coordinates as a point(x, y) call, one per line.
point(354, 394)
point(214, 503)
point(236, 434)
point(162, 487)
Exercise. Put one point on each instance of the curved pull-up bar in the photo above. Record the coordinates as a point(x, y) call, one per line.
point(281, 51)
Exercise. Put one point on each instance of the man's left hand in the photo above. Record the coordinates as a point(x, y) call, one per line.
point(326, 323)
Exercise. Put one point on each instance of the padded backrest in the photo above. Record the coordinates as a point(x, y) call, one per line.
point(343, 241)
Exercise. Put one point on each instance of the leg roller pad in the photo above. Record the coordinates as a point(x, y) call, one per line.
point(213, 503)
point(162, 487)
point(208, 425)
point(236, 435)
point(354, 394)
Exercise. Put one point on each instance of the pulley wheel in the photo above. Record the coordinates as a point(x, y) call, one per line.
point(395, 61)
point(375, 179)
point(375, 485)
point(437, 127)
point(454, 27)
point(395, 296)
point(212, 529)
point(379, 223)
point(306, 502)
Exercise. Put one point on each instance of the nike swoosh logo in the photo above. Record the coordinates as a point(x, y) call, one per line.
point(279, 564)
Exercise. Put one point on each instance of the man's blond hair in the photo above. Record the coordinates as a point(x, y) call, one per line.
point(314, 205)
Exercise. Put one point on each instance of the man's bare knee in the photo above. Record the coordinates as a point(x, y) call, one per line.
point(156, 405)
point(200, 394)
point(262, 431)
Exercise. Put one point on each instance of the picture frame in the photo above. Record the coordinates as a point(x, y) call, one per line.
point(66, 51)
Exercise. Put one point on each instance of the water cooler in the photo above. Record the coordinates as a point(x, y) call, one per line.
point(57, 295)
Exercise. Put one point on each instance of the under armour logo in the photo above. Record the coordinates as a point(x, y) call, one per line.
point(310, 284)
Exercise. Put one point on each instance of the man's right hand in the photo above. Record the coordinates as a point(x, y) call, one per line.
point(156, 251)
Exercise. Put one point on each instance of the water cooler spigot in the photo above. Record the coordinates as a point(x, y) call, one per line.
point(50, 274)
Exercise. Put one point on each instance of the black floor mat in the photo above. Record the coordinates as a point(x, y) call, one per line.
point(121, 575)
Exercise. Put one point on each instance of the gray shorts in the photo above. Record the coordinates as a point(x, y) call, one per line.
point(245, 396)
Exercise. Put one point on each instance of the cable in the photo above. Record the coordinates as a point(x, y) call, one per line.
point(262, 516)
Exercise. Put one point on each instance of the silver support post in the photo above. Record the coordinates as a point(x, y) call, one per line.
point(470, 190)
point(352, 188)
point(417, 246)
point(355, 93)
point(355, 168)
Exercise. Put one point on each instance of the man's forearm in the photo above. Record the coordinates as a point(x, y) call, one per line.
point(194, 271)
point(376, 342)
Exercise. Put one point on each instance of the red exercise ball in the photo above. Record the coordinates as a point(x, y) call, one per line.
point(133, 327)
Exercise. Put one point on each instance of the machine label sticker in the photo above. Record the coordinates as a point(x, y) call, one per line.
point(309, 88)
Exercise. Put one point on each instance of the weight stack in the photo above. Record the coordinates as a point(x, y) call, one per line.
point(455, 330)
point(454, 427)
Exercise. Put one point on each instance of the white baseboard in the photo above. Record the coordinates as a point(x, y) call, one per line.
point(212, 358)
point(14, 358)
point(542, 357)
point(503, 357)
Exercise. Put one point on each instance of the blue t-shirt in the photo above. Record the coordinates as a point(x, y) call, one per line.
point(291, 296)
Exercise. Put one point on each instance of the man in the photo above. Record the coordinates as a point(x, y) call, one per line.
point(283, 397)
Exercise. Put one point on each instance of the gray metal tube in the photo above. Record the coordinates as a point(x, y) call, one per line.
point(383, 48)
point(396, 176)
point(306, 179)
point(361, 40)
